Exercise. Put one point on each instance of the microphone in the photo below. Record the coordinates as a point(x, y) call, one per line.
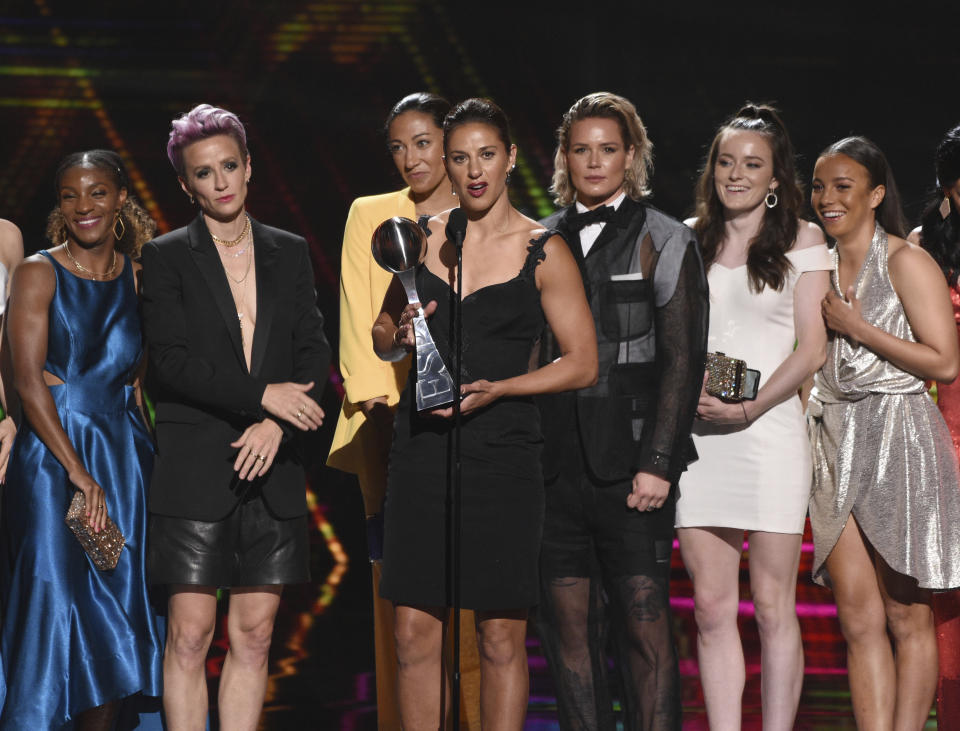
point(457, 227)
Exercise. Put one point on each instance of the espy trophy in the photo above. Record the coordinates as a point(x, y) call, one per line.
point(398, 245)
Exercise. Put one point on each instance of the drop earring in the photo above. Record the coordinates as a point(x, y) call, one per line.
point(771, 200)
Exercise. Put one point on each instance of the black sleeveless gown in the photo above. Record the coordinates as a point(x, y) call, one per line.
point(502, 482)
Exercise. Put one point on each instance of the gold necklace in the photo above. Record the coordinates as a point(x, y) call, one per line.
point(94, 275)
point(231, 244)
point(239, 304)
point(246, 273)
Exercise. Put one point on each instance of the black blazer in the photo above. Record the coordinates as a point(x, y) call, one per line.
point(198, 379)
point(651, 341)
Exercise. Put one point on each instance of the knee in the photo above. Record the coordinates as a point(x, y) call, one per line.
point(775, 611)
point(189, 641)
point(501, 647)
point(250, 641)
point(862, 624)
point(418, 639)
point(715, 609)
point(910, 622)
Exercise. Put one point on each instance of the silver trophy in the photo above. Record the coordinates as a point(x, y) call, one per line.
point(398, 245)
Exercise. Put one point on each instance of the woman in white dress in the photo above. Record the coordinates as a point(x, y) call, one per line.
point(768, 271)
point(11, 254)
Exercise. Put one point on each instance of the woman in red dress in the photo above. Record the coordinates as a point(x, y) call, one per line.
point(939, 234)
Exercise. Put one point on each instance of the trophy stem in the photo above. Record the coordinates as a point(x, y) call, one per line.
point(434, 384)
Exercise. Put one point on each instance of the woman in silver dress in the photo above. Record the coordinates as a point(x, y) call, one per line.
point(885, 507)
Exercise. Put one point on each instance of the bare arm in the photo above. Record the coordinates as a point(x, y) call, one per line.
point(804, 361)
point(922, 290)
point(31, 293)
point(11, 254)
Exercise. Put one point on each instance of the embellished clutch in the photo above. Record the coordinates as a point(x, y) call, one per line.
point(104, 547)
point(730, 379)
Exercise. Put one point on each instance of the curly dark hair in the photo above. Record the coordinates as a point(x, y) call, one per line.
point(767, 263)
point(938, 235)
point(138, 226)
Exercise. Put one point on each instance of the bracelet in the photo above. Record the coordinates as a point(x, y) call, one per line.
point(745, 419)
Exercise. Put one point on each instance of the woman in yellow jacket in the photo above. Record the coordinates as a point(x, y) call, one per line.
point(372, 386)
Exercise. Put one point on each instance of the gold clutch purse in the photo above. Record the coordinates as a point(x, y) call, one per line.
point(104, 547)
point(730, 379)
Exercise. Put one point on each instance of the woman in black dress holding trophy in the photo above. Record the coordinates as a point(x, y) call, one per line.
point(516, 277)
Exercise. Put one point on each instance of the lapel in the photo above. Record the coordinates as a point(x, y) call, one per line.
point(205, 256)
point(266, 254)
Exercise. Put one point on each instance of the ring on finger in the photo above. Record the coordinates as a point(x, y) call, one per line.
point(300, 414)
point(261, 458)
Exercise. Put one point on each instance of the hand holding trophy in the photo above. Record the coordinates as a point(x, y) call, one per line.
point(398, 245)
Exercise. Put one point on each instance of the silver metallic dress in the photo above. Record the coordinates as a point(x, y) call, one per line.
point(881, 450)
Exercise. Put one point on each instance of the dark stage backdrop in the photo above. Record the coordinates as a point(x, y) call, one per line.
point(314, 80)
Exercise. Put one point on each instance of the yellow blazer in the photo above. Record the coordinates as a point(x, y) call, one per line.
point(363, 284)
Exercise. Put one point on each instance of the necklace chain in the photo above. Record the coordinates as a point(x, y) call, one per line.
point(234, 242)
point(94, 275)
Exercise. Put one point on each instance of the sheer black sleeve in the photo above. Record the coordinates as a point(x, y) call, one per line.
point(681, 323)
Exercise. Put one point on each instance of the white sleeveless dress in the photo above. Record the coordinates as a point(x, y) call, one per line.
point(755, 477)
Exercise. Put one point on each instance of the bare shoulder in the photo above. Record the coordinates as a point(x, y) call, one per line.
point(555, 246)
point(11, 243)
point(907, 261)
point(35, 273)
point(914, 236)
point(808, 235)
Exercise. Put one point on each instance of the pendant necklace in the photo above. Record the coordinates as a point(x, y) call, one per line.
point(240, 303)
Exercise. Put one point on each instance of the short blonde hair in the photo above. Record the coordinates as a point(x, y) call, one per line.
point(605, 105)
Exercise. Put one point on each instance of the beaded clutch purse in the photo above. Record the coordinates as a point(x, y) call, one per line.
point(730, 379)
point(104, 547)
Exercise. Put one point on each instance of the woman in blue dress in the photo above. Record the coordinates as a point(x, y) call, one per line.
point(76, 641)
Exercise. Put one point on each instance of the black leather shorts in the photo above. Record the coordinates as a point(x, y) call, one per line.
point(249, 547)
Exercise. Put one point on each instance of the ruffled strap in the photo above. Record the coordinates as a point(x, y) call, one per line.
point(535, 253)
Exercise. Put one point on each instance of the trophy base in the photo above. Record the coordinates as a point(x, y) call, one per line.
point(432, 397)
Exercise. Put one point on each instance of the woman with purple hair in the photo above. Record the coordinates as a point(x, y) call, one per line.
point(238, 359)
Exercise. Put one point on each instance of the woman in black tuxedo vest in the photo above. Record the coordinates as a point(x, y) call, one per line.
point(237, 363)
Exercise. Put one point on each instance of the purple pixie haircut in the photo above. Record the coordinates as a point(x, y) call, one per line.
point(199, 123)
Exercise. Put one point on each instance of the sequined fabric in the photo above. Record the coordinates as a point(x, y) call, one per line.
point(881, 450)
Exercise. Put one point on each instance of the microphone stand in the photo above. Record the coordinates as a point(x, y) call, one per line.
point(457, 471)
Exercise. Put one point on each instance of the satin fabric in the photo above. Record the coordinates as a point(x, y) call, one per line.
point(74, 637)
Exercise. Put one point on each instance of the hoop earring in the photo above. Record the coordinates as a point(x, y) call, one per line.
point(190, 196)
point(123, 228)
point(945, 207)
point(771, 203)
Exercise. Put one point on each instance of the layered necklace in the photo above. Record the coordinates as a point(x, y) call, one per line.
point(97, 276)
point(239, 303)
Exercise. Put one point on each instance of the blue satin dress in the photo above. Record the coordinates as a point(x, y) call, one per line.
point(74, 637)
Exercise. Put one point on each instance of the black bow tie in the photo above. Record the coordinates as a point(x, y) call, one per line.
point(601, 214)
